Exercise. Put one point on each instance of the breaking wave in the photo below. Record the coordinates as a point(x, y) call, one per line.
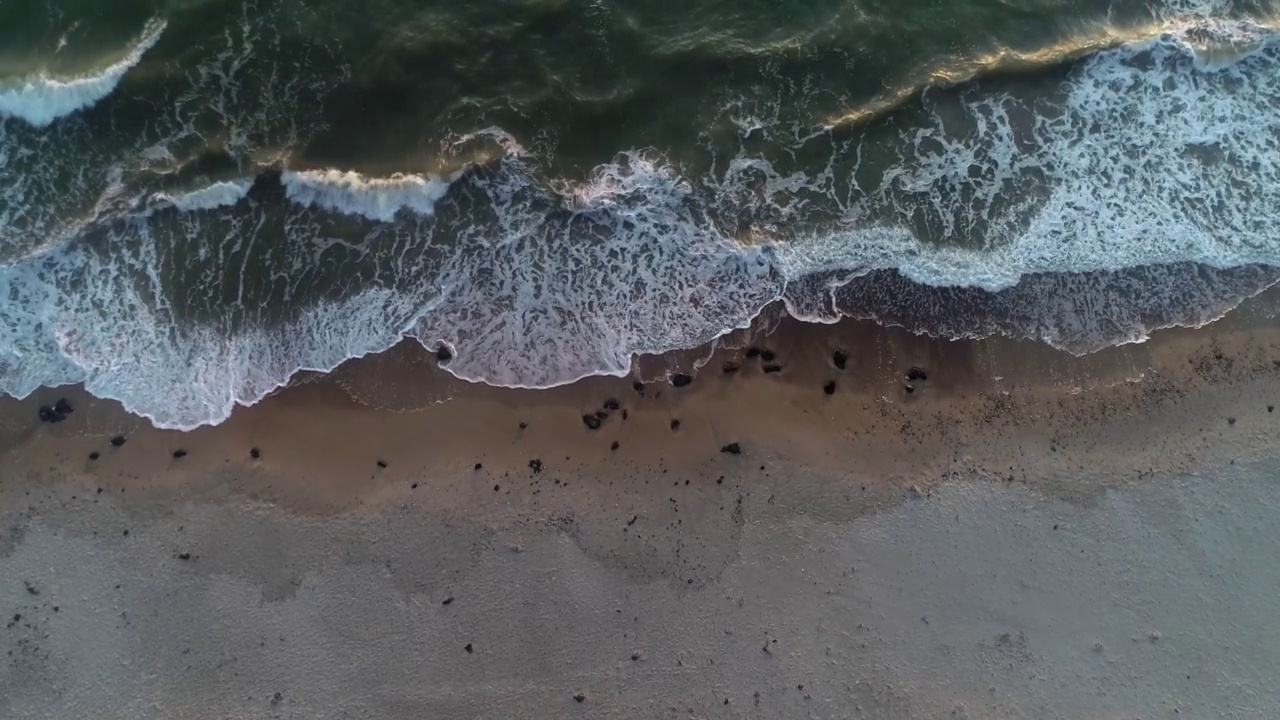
point(1142, 191)
point(41, 98)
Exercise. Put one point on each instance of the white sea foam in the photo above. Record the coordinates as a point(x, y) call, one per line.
point(354, 194)
point(1146, 158)
point(40, 99)
point(219, 194)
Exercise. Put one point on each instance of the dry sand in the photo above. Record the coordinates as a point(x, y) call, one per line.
point(1026, 535)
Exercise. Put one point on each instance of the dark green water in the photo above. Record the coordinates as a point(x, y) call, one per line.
point(204, 197)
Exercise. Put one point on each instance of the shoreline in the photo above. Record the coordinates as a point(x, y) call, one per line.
point(995, 406)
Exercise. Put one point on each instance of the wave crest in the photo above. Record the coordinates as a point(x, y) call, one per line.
point(41, 99)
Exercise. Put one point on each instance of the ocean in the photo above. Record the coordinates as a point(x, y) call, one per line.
point(199, 198)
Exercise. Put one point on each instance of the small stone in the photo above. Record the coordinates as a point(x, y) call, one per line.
point(730, 366)
point(916, 373)
point(478, 466)
point(117, 441)
point(638, 387)
point(840, 358)
point(1231, 421)
point(62, 406)
point(753, 352)
point(732, 449)
point(496, 487)
point(1271, 408)
point(579, 697)
point(635, 657)
point(184, 556)
point(255, 453)
point(447, 600)
point(675, 424)
point(179, 454)
point(45, 413)
point(535, 465)
point(767, 355)
point(468, 648)
point(624, 414)
point(591, 421)
point(681, 379)
point(414, 486)
point(611, 404)
point(444, 354)
point(830, 387)
point(772, 368)
point(382, 464)
point(909, 388)
point(614, 446)
point(524, 425)
point(277, 699)
point(94, 456)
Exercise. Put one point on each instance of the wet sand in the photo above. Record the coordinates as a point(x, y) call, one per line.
point(1024, 534)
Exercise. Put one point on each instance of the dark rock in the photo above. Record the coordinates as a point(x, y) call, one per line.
point(909, 388)
point(916, 373)
point(840, 358)
point(468, 648)
point(179, 454)
point(1271, 408)
point(1231, 421)
point(614, 446)
point(772, 368)
point(732, 449)
point(730, 367)
point(624, 414)
point(535, 465)
point(184, 556)
point(63, 407)
point(579, 697)
point(94, 455)
point(382, 464)
point(591, 421)
point(611, 404)
point(830, 387)
point(447, 601)
point(45, 413)
point(444, 354)
point(496, 488)
point(768, 355)
point(524, 425)
point(638, 387)
point(681, 379)
point(635, 656)
point(277, 698)
point(478, 466)
point(255, 453)
point(753, 352)
point(117, 441)
point(675, 424)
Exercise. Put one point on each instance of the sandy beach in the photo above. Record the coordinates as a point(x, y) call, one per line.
point(1014, 532)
